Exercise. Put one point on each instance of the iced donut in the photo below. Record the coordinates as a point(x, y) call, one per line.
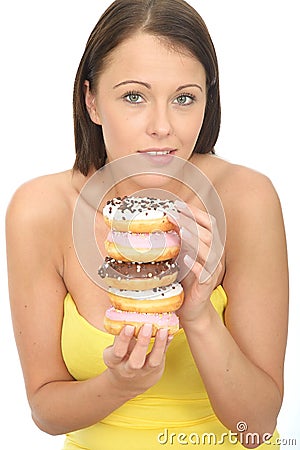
point(115, 320)
point(157, 300)
point(139, 214)
point(138, 276)
point(155, 306)
point(142, 247)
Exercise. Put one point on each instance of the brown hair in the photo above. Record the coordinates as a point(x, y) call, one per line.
point(174, 20)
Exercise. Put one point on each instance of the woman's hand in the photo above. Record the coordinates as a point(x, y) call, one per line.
point(131, 366)
point(201, 255)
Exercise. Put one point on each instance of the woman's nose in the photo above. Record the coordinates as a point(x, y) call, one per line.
point(159, 121)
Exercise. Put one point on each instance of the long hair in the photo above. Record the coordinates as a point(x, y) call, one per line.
point(173, 20)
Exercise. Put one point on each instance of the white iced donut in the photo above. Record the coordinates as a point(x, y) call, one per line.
point(139, 214)
point(157, 300)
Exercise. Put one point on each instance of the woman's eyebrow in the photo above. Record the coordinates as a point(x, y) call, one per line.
point(148, 86)
point(189, 85)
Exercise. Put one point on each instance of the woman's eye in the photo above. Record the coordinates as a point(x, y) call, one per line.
point(133, 97)
point(185, 99)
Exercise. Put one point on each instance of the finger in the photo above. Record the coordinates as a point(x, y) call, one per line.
point(208, 253)
point(190, 222)
point(200, 271)
point(206, 275)
point(198, 251)
point(138, 355)
point(157, 354)
point(195, 267)
point(195, 246)
point(210, 237)
point(193, 213)
point(200, 233)
point(115, 353)
point(215, 247)
point(190, 230)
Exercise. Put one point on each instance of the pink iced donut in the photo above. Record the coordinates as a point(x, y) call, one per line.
point(142, 247)
point(115, 320)
point(155, 306)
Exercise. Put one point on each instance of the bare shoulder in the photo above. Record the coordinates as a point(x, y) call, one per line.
point(38, 221)
point(240, 188)
point(40, 199)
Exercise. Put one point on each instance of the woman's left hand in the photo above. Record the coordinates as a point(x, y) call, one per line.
point(200, 259)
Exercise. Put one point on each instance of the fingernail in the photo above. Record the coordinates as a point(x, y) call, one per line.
point(188, 261)
point(173, 217)
point(147, 330)
point(129, 330)
point(170, 339)
point(163, 332)
point(204, 276)
point(180, 205)
point(185, 234)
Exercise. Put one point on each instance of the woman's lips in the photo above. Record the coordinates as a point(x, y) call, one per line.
point(158, 156)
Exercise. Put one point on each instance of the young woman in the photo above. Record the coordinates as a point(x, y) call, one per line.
point(147, 90)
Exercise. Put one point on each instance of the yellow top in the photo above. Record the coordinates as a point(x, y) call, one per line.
point(174, 413)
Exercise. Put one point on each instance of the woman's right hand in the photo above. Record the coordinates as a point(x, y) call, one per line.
point(131, 367)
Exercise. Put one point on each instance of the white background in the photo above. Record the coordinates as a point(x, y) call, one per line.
point(257, 43)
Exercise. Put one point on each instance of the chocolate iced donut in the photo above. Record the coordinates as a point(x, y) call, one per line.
point(138, 276)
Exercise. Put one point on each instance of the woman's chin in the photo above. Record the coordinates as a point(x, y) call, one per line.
point(151, 180)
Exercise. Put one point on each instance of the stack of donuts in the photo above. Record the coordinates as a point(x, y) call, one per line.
point(141, 269)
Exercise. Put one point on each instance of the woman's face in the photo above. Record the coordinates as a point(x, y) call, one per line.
point(150, 100)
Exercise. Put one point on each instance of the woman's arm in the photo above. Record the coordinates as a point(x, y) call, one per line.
point(59, 404)
point(242, 364)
